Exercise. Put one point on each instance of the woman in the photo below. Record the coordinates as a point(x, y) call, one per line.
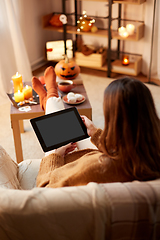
point(127, 149)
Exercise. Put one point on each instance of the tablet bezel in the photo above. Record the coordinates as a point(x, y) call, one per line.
point(61, 112)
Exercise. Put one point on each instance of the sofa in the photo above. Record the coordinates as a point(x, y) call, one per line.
point(118, 211)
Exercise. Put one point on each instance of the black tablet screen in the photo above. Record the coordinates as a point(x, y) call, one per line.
point(59, 128)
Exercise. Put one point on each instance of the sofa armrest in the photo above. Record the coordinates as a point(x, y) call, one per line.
point(135, 210)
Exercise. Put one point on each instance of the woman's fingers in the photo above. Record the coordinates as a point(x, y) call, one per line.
point(70, 148)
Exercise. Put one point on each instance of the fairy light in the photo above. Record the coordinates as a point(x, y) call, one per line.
point(84, 23)
point(84, 14)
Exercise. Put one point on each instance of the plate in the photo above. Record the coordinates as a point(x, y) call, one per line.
point(65, 99)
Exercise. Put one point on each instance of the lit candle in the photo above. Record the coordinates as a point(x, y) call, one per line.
point(27, 91)
point(123, 32)
point(19, 96)
point(17, 82)
point(130, 28)
point(125, 60)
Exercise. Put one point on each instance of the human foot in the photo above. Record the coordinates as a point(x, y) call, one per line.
point(50, 81)
point(39, 89)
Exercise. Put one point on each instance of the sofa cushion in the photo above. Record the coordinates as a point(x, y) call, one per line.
point(28, 171)
point(8, 171)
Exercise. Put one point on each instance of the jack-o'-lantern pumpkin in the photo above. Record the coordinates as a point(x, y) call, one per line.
point(85, 23)
point(66, 69)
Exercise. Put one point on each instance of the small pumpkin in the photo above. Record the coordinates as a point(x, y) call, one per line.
point(55, 20)
point(66, 69)
point(85, 24)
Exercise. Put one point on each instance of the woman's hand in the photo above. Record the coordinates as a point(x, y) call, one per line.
point(91, 128)
point(65, 149)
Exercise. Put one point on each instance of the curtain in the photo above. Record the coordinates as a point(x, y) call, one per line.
point(156, 43)
point(147, 41)
point(13, 55)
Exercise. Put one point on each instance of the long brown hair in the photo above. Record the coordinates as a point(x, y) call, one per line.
point(132, 128)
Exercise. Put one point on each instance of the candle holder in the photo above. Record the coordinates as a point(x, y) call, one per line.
point(125, 60)
point(123, 32)
point(17, 82)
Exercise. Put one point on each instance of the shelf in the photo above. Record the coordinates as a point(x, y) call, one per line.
point(93, 60)
point(73, 30)
point(98, 62)
point(135, 37)
point(137, 2)
point(101, 61)
point(100, 33)
point(133, 68)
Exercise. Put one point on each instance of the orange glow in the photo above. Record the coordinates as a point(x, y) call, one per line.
point(125, 60)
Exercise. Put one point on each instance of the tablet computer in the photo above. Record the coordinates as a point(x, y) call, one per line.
point(59, 128)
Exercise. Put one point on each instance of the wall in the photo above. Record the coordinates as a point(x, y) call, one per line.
point(30, 18)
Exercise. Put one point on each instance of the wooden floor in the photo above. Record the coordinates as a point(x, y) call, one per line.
point(100, 73)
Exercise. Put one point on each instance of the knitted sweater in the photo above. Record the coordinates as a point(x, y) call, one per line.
point(79, 168)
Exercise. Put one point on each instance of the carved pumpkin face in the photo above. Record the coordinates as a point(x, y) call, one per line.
point(67, 70)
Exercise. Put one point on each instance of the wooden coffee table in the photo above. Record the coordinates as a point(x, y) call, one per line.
point(17, 118)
